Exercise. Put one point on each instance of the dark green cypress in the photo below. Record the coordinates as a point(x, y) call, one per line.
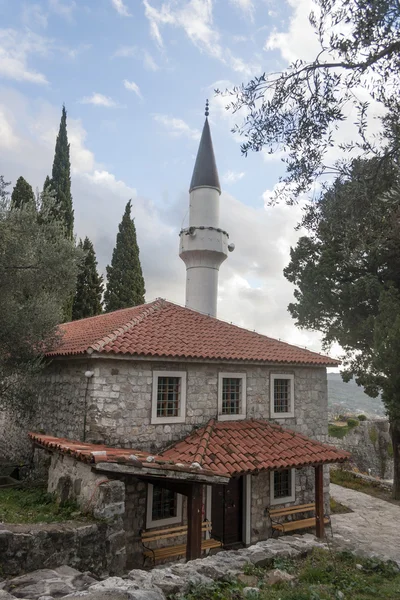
point(61, 179)
point(89, 286)
point(22, 195)
point(125, 283)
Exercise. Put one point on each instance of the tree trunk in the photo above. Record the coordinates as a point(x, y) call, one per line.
point(395, 433)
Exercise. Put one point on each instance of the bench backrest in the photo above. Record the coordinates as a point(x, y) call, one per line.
point(151, 535)
point(291, 510)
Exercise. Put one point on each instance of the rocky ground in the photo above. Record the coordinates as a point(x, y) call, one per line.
point(69, 584)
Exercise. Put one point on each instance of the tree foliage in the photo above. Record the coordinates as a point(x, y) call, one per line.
point(298, 110)
point(62, 210)
point(125, 283)
point(347, 277)
point(38, 268)
point(89, 286)
point(22, 194)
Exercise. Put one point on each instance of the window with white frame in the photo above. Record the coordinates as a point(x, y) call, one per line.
point(282, 395)
point(231, 396)
point(169, 397)
point(164, 507)
point(283, 486)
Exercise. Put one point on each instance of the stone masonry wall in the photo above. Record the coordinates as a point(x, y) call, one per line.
point(120, 394)
point(117, 401)
point(260, 499)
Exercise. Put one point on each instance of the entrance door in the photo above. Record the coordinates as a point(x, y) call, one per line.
point(227, 512)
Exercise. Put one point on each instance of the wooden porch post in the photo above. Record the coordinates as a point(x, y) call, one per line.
point(194, 517)
point(319, 501)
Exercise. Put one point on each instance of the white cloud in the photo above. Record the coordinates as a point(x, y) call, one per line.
point(121, 8)
point(148, 61)
point(299, 41)
point(232, 176)
point(246, 6)
point(177, 127)
point(133, 87)
point(134, 52)
point(15, 49)
point(8, 139)
point(63, 9)
point(100, 100)
point(33, 14)
point(196, 19)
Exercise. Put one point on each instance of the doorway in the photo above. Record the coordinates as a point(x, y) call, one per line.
point(227, 512)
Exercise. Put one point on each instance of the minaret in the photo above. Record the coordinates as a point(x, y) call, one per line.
point(203, 245)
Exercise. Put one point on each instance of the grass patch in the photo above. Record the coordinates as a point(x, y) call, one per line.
point(34, 505)
point(322, 575)
point(342, 429)
point(337, 508)
point(349, 480)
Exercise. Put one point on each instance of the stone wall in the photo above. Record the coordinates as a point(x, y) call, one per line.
point(260, 499)
point(370, 446)
point(114, 406)
point(85, 546)
point(118, 400)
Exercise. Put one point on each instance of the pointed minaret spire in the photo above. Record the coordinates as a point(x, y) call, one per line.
point(204, 245)
point(205, 172)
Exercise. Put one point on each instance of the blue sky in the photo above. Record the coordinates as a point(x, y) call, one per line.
point(134, 76)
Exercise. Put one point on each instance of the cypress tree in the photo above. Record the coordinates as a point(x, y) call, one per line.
point(22, 195)
point(61, 179)
point(89, 286)
point(125, 283)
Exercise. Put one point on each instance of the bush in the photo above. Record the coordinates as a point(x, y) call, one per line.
point(362, 418)
point(352, 422)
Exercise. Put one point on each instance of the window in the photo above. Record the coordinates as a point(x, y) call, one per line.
point(164, 507)
point(282, 484)
point(169, 397)
point(231, 396)
point(282, 395)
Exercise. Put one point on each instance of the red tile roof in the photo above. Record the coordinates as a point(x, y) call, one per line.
point(223, 448)
point(98, 453)
point(238, 447)
point(164, 329)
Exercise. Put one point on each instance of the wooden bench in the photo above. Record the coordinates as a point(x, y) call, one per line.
point(290, 511)
point(154, 535)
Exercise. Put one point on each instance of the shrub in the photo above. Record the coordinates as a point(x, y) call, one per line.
point(373, 434)
point(352, 422)
point(362, 418)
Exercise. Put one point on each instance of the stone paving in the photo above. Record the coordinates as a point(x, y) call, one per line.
point(373, 528)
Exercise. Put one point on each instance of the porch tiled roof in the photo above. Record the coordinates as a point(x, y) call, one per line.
point(163, 329)
point(248, 446)
point(99, 453)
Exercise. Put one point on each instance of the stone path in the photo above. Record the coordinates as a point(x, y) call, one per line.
point(373, 527)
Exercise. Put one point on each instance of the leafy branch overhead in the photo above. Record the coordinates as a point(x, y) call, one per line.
point(355, 74)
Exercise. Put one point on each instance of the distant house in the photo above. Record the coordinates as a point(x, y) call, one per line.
point(185, 404)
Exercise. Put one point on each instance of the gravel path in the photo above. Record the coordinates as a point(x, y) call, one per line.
point(373, 527)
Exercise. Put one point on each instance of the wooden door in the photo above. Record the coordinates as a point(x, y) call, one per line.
point(227, 512)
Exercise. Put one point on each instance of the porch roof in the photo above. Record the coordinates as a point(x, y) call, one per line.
point(127, 461)
point(248, 446)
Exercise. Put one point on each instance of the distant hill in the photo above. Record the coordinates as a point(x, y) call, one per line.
point(349, 397)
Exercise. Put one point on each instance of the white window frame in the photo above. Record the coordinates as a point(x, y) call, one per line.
point(291, 498)
point(150, 524)
point(243, 399)
point(155, 420)
point(281, 415)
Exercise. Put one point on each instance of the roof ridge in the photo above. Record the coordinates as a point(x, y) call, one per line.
point(203, 443)
point(156, 305)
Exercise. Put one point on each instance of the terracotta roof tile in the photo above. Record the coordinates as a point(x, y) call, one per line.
point(237, 447)
point(164, 329)
point(94, 453)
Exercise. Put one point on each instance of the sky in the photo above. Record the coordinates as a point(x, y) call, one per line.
point(134, 76)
